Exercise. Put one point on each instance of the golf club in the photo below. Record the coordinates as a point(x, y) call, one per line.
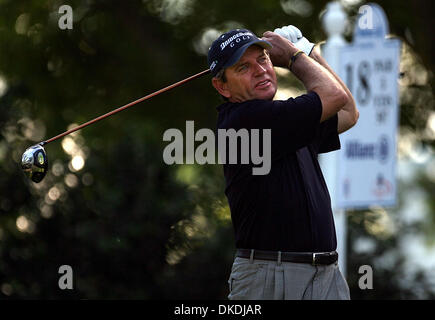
point(34, 161)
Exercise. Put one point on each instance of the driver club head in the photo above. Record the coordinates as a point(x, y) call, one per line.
point(34, 163)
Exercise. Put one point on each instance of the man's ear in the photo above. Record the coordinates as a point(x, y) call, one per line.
point(221, 87)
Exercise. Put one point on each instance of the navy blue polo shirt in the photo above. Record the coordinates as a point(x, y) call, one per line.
point(288, 209)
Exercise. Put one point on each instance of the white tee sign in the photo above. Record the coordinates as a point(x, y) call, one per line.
point(366, 165)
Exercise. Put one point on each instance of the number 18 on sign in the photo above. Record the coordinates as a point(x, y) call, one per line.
point(367, 160)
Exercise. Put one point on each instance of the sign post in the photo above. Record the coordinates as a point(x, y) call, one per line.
point(334, 23)
point(370, 68)
point(363, 173)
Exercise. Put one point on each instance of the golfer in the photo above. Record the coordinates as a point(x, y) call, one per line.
point(283, 222)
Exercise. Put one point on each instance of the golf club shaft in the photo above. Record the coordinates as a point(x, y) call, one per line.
point(179, 83)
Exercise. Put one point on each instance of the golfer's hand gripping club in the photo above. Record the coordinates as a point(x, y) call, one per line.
point(293, 34)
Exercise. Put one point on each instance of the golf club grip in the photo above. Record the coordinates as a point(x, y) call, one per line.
point(179, 83)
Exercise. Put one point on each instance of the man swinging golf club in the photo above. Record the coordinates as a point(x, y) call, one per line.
point(284, 228)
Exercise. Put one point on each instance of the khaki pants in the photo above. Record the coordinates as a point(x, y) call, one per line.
point(270, 280)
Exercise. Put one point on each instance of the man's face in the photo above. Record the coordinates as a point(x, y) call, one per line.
point(252, 77)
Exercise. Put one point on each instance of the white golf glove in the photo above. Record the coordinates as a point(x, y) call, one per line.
point(295, 36)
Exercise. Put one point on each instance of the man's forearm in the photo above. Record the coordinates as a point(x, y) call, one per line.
point(315, 54)
point(349, 107)
point(316, 77)
point(312, 74)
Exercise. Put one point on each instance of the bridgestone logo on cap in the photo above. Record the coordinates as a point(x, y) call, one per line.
point(238, 35)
